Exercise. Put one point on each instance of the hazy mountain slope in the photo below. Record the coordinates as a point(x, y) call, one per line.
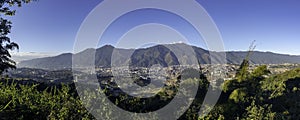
point(21, 56)
point(57, 62)
point(262, 58)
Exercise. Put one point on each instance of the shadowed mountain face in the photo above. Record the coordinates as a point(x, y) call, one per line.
point(165, 55)
point(154, 55)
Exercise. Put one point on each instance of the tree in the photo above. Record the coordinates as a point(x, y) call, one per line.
point(261, 71)
point(242, 72)
point(5, 28)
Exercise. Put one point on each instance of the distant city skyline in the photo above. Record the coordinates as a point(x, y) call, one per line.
point(50, 26)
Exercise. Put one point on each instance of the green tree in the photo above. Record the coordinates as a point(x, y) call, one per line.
point(242, 72)
point(258, 112)
point(261, 71)
point(5, 28)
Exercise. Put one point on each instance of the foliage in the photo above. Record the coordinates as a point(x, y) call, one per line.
point(27, 102)
point(260, 71)
point(242, 72)
point(5, 28)
point(257, 112)
point(258, 95)
point(261, 96)
point(238, 95)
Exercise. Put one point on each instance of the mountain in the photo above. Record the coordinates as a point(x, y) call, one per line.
point(62, 61)
point(165, 55)
point(21, 56)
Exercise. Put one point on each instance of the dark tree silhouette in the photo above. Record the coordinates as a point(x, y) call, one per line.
point(5, 28)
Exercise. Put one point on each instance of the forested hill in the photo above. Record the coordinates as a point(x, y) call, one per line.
point(159, 54)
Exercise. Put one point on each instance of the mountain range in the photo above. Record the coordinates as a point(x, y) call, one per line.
point(22, 56)
point(165, 55)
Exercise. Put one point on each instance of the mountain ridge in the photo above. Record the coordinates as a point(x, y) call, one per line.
point(158, 54)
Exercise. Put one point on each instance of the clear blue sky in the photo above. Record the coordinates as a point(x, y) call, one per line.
point(51, 25)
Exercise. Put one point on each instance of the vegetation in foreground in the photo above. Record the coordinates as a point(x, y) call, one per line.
point(248, 96)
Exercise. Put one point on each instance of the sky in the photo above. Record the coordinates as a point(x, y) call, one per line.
point(50, 26)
